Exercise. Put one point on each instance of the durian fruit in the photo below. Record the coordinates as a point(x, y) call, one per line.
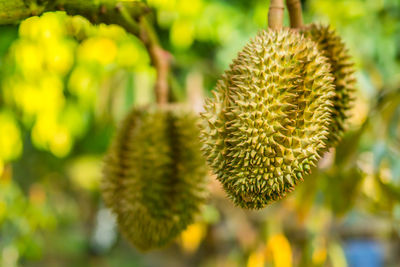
point(342, 68)
point(154, 175)
point(268, 121)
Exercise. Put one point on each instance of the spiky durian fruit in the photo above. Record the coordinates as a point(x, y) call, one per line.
point(342, 68)
point(154, 175)
point(269, 118)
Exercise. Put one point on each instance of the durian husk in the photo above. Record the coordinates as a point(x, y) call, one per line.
point(267, 123)
point(342, 68)
point(154, 175)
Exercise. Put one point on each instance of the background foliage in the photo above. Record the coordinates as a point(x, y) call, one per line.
point(66, 83)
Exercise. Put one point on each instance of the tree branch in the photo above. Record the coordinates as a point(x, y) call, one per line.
point(97, 11)
point(14, 11)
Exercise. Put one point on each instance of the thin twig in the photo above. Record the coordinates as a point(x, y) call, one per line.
point(97, 11)
point(160, 59)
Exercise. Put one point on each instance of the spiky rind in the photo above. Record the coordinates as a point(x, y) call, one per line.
point(268, 121)
point(154, 175)
point(342, 68)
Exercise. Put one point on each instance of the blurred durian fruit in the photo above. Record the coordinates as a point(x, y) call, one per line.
point(342, 68)
point(154, 175)
point(268, 121)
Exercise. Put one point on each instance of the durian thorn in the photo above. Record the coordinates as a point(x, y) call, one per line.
point(295, 13)
point(275, 14)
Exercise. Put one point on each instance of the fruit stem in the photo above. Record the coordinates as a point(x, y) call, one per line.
point(295, 14)
point(275, 14)
point(160, 59)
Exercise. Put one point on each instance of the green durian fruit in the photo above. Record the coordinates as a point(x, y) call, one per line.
point(154, 175)
point(268, 121)
point(342, 68)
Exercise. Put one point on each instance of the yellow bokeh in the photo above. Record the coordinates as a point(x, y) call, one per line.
point(128, 55)
point(190, 8)
point(113, 32)
point(59, 56)
point(98, 49)
point(337, 255)
point(256, 259)
point(82, 83)
point(192, 236)
point(52, 26)
point(48, 133)
point(49, 26)
point(47, 55)
point(51, 91)
point(10, 138)
point(45, 95)
point(73, 119)
point(30, 58)
point(60, 142)
point(281, 250)
point(29, 28)
point(169, 5)
point(78, 27)
point(319, 255)
point(43, 129)
point(182, 34)
point(55, 49)
point(85, 172)
point(26, 97)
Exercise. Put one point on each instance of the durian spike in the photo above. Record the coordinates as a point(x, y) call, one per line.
point(154, 175)
point(295, 13)
point(275, 14)
point(269, 118)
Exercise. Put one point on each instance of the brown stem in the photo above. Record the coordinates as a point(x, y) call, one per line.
point(295, 14)
point(275, 14)
point(160, 59)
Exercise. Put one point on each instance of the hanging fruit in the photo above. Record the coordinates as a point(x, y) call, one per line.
point(333, 48)
point(154, 175)
point(268, 121)
point(154, 172)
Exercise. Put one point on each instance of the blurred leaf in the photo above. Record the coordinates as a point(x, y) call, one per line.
point(341, 190)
